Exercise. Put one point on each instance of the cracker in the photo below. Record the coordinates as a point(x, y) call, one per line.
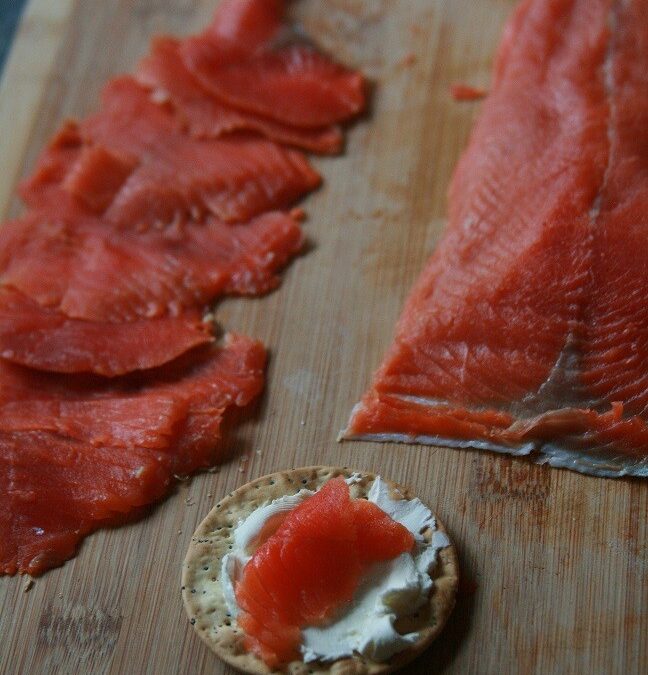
point(205, 604)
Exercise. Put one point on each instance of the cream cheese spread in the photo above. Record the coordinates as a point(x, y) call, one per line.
point(388, 591)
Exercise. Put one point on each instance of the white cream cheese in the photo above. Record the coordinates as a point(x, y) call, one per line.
point(388, 591)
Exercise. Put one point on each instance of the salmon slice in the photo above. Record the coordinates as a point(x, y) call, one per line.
point(134, 157)
point(142, 409)
point(205, 116)
point(79, 453)
point(97, 175)
point(52, 168)
point(87, 270)
point(55, 491)
point(249, 59)
point(310, 567)
point(46, 339)
point(234, 178)
point(527, 331)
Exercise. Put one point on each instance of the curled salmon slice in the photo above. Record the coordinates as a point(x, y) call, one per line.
point(206, 116)
point(250, 59)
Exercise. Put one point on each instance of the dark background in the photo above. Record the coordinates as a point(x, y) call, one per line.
point(10, 11)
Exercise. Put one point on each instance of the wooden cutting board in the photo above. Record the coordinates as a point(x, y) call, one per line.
point(555, 564)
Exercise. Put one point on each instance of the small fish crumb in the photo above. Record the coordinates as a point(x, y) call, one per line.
point(409, 59)
point(298, 213)
point(29, 583)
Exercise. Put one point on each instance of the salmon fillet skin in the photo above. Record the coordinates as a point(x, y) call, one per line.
point(527, 332)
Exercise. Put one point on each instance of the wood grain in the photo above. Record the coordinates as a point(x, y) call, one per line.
point(555, 564)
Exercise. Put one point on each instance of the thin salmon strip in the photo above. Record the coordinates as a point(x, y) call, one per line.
point(144, 409)
point(75, 454)
point(53, 495)
point(527, 331)
point(205, 116)
point(249, 59)
point(87, 270)
point(466, 92)
point(47, 339)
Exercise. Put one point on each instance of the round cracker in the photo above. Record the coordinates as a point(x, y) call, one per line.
point(205, 604)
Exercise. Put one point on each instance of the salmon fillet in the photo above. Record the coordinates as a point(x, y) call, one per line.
point(527, 331)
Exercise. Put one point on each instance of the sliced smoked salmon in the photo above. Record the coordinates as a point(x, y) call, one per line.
point(234, 177)
point(139, 216)
point(310, 567)
point(206, 116)
point(47, 339)
point(87, 270)
point(144, 409)
point(54, 491)
point(527, 331)
point(52, 168)
point(97, 175)
point(81, 453)
point(135, 165)
point(249, 58)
